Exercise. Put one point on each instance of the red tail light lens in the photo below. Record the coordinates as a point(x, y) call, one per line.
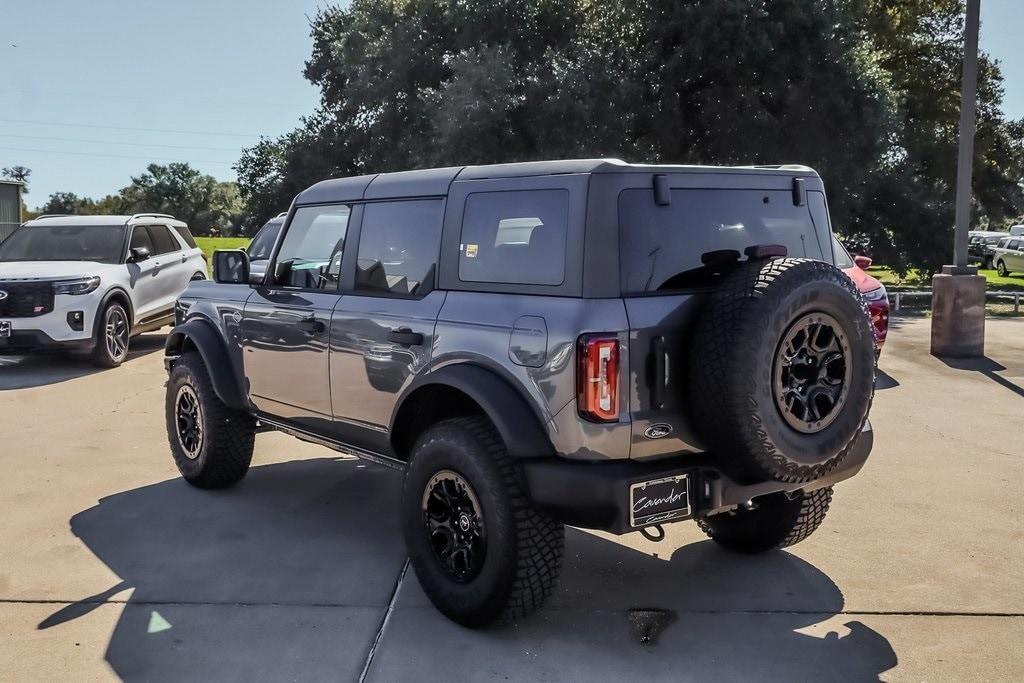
point(597, 378)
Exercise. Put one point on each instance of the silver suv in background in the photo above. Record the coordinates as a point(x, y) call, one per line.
point(262, 244)
point(1009, 255)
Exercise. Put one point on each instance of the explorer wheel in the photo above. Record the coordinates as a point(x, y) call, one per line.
point(1001, 268)
point(112, 334)
point(211, 443)
point(481, 550)
point(775, 521)
point(783, 366)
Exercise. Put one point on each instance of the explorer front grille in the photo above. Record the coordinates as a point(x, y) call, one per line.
point(25, 299)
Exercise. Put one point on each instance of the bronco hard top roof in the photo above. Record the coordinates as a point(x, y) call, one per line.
point(434, 182)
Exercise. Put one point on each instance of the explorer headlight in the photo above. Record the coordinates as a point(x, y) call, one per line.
point(82, 285)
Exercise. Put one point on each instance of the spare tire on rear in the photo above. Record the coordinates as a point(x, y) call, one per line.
point(782, 370)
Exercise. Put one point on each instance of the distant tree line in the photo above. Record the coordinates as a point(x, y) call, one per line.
point(209, 206)
point(865, 91)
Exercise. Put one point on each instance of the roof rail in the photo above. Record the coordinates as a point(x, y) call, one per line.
point(50, 215)
point(150, 215)
point(281, 215)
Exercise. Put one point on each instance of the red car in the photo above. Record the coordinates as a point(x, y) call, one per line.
point(871, 289)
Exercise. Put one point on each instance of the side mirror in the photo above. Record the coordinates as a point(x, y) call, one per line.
point(136, 254)
point(231, 267)
point(863, 262)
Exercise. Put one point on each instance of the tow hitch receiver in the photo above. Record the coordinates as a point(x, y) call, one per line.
point(659, 500)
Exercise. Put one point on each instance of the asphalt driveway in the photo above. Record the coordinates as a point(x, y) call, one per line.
point(111, 566)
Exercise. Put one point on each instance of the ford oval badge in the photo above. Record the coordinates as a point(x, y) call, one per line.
point(658, 431)
point(3, 295)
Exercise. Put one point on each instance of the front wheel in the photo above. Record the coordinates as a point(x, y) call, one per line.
point(482, 552)
point(773, 521)
point(1001, 267)
point(211, 442)
point(112, 333)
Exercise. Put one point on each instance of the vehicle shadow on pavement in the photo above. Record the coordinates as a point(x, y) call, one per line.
point(24, 372)
point(288, 576)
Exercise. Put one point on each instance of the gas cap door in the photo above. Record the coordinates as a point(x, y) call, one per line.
point(528, 344)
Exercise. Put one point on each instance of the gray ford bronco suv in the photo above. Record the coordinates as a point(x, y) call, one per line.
point(593, 343)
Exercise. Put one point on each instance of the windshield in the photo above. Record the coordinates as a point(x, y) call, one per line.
point(101, 243)
point(843, 258)
point(262, 244)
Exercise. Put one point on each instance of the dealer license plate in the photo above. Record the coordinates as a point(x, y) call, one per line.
point(659, 500)
point(5, 329)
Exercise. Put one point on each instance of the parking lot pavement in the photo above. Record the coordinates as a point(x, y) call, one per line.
point(112, 566)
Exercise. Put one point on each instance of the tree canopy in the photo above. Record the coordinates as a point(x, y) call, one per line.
point(865, 91)
point(205, 203)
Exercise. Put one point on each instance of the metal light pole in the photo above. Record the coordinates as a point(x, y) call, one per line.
point(964, 164)
point(958, 293)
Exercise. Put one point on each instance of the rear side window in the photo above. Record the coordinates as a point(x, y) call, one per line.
point(515, 237)
point(163, 240)
point(661, 247)
point(398, 248)
point(186, 235)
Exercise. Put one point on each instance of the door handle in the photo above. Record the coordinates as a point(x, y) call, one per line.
point(310, 325)
point(184, 257)
point(405, 337)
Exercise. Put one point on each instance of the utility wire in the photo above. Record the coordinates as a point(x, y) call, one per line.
point(114, 156)
point(124, 144)
point(144, 130)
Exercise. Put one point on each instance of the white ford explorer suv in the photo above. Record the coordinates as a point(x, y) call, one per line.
point(90, 283)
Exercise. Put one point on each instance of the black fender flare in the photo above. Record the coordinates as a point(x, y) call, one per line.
point(213, 350)
point(518, 425)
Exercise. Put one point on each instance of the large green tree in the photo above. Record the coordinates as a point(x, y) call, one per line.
point(863, 90)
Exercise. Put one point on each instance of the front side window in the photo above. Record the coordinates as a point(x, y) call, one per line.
point(142, 240)
point(100, 243)
point(398, 247)
point(515, 237)
point(310, 255)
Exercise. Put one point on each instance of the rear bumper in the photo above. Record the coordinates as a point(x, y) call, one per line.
point(38, 341)
point(595, 495)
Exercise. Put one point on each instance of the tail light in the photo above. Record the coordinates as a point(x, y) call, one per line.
point(597, 377)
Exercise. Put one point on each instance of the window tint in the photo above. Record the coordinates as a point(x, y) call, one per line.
point(312, 248)
point(661, 247)
point(163, 240)
point(514, 237)
point(398, 247)
point(141, 238)
point(1014, 244)
point(186, 235)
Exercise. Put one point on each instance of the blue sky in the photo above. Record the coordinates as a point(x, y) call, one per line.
point(204, 78)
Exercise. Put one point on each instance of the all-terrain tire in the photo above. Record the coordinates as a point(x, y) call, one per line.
point(732, 364)
point(522, 546)
point(777, 521)
point(225, 438)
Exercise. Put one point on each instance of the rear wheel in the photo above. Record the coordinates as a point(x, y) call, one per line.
point(112, 334)
point(211, 442)
point(481, 550)
point(774, 521)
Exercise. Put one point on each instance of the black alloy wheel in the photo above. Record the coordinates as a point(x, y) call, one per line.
point(454, 523)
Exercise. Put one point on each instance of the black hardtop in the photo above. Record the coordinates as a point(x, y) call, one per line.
point(434, 182)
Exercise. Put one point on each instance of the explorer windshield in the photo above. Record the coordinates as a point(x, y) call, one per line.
point(101, 243)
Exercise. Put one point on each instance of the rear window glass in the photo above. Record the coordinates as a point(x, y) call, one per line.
point(514, 237)
point(661, 247)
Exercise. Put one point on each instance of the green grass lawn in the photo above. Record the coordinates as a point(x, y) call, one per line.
point(913, 280)
point(210, 244)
